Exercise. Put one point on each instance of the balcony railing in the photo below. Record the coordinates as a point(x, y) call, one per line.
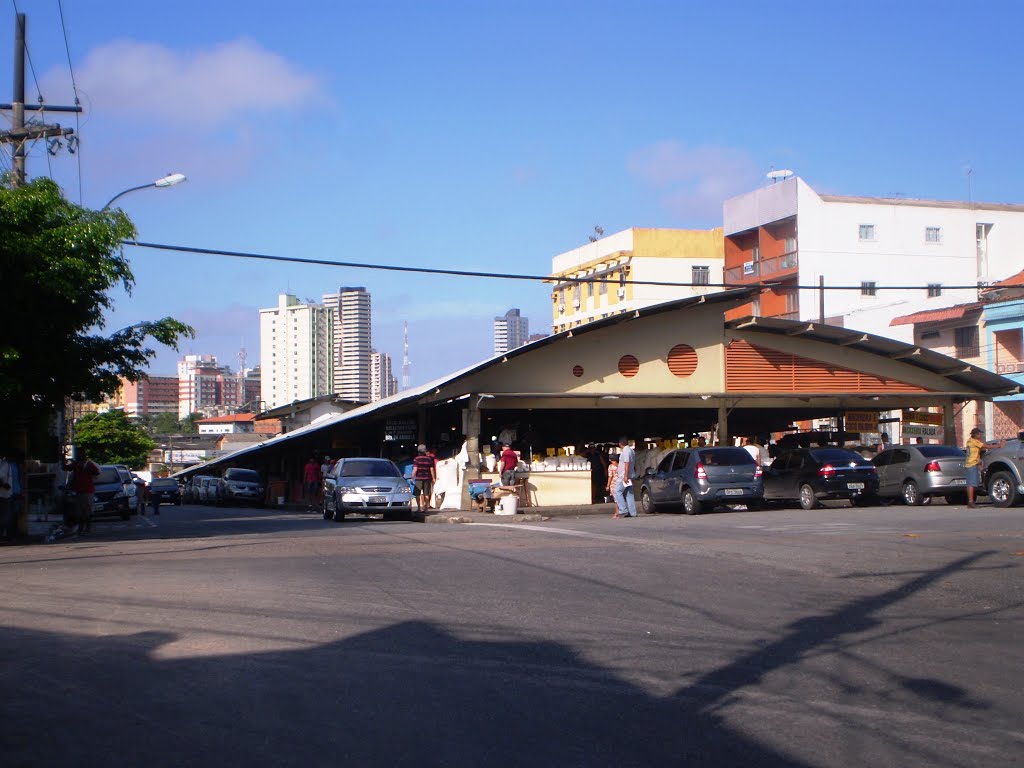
point(1003, 368)
point(754, 271)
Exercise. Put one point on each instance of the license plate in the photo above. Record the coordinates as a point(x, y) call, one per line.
point(959, 481)
point(733, 491)
point(378, 499)
point(855, 486)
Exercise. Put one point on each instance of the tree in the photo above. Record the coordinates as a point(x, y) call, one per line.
point(188, 424)
point(58, 265)
point(109, 438)
point(165, 424)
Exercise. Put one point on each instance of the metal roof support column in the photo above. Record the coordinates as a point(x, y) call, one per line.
point(949, 423)
point(471, 418)
point(723, 423)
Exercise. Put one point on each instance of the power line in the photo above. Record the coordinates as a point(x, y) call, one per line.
point(78, 103)
point(512, 276)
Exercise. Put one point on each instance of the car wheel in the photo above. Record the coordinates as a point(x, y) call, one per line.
point(911, 494)
point(328, 514)
point(646, 502)
point(1002, 489)
point(807, 498)
point(690, 504)
point(956, 499)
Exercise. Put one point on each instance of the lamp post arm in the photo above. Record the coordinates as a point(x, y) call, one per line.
point(125, 192)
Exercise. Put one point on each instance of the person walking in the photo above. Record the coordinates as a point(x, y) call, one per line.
point(972, 465)
point(311, 480)
point(625, 497)
point(424, 475)
point(83, 473)
point(7, 516)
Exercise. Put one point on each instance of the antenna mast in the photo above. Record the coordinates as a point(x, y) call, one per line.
point(406, 364)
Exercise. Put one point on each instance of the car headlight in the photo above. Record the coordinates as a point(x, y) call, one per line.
point(347, 489)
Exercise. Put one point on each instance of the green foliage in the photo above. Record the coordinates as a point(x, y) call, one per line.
point(188, 424)
point(109, 438)
point(58, 265)
point(165, 424)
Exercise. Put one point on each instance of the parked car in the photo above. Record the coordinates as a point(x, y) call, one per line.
point(164, 490)
point(239, 486)
point(915, 473)
point(1004, 472)
point(809, 475)
point(368, 486)
point(205, 489)
point(698, 479)
point(112, 491)
point(130, 489)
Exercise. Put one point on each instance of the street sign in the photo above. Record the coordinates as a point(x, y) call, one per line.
point(861, 421)
point(924, 430)
point(922, 417)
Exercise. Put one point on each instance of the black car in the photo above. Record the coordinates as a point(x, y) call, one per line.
point(698, 479)
point(111, 497)
point(164, 490)
point(809, 475)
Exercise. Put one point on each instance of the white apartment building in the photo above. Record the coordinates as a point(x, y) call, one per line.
point(794, 238)
point(606, 276)
point(510, 331)
point(351, 375)
point(296, 343)
point(382, 379)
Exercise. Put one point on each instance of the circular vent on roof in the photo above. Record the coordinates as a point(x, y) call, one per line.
point(682, 360)
point(577, 371)
point(628, 366)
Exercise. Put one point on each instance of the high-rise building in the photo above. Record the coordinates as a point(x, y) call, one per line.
point(200, 384)
point(352, 345)
point(899, 255)
point(613, 274)
point(510, 331)
point(296, 346)
point(149, 395)
point(383, 381)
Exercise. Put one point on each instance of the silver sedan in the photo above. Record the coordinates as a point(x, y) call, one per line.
point(915, 473)
point(367, 486)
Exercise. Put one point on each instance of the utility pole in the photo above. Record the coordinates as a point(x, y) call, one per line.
point(19, 135)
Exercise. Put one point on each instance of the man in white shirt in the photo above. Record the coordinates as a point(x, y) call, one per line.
point(625, 496)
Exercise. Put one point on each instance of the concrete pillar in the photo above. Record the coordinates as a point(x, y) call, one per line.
point(948, 423)
point(723, 424)
point(471, 419)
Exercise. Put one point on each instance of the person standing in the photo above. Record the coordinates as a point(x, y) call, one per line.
point(613, 476)
point(507, 463)
point(972, 464)
point(624, 492)
point(7, 516)
point(83, 473)
point(424, 475)
point(884, 443)
point(311, 480)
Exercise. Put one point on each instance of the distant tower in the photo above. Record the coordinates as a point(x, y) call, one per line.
point(241, 359)
point(406, 364)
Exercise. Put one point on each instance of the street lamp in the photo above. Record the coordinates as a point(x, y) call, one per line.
point(167, 181)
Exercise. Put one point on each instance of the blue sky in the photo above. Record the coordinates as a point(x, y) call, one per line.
point(491, 136)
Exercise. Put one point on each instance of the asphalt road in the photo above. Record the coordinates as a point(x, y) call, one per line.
point(208, 637)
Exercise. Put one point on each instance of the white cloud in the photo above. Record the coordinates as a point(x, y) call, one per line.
point(209, 86)
point(693, 181)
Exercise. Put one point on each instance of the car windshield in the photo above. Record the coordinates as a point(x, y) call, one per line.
point(938, 451)
point(243, 475)
point(838, 456)
point(369, 468)
point(108, 475)
point(726, 456)
point(164, 482)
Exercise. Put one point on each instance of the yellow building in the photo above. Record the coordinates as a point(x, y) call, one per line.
point(608, 275)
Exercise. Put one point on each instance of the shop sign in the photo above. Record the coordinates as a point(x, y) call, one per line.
point(861, 421)
point(400, 431)
point(922, 417)
point(930, 431)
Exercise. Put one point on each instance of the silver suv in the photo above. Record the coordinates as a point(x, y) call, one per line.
point(1003, 473)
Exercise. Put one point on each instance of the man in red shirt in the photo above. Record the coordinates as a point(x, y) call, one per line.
point(507, 463)
point(311, 479)
point(424, 475)
point(83, 470)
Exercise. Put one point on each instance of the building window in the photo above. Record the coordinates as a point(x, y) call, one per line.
point(966, 341)
point(790, 245)
point(868, 288)
point(933, 234)
point(700, 275)
point(867, 231)
point(934, 289)
point(930, 335)
point(603, 288)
